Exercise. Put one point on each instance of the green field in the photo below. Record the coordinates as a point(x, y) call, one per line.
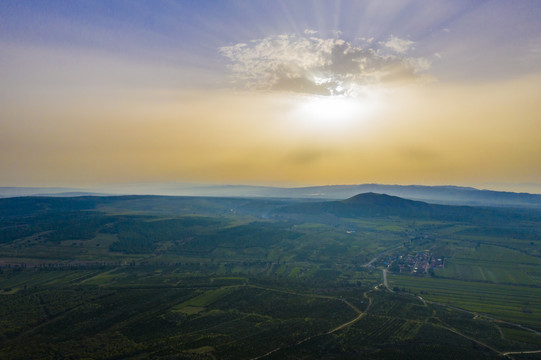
point(489, 263)
point(513, 303)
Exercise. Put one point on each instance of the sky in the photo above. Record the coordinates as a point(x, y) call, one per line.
point(285, 93)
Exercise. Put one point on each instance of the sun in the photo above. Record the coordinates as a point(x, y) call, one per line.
point(335, 113)
point(330, 109)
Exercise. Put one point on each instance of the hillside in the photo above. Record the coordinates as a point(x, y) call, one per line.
point(381, 205)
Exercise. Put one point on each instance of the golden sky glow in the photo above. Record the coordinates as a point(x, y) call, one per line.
point(395, 109)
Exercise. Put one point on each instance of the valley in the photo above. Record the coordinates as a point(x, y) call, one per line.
point(246, 278)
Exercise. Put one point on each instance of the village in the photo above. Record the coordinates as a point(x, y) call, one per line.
point(420, 262)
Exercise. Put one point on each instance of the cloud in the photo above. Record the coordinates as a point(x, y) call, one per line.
point(323, 66)
point(398, 45)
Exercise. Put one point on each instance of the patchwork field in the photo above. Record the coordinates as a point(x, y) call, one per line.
point(201, 278)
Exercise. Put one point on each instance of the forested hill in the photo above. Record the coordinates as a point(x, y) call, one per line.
point(381, 205)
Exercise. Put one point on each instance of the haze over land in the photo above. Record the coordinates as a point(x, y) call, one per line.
point(271, 93)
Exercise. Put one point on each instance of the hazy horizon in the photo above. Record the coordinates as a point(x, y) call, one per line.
point(102, 94)
point(198, 189)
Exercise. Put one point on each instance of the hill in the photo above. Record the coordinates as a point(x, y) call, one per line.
point(382, 205)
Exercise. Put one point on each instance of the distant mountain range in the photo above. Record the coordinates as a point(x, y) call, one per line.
point(45, 191)
point(449, 195)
